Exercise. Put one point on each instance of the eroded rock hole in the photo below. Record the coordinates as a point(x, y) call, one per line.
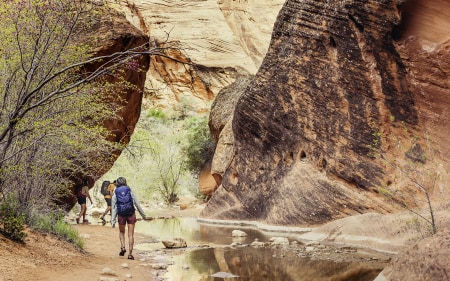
point(332, 42)
point(303, 156)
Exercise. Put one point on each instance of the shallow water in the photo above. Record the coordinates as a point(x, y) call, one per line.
point(221, 262)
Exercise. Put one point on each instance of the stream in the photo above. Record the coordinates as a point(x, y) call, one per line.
point(209, 255)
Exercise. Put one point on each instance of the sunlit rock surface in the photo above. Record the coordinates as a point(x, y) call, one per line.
point(221, 40)
point(338, 76)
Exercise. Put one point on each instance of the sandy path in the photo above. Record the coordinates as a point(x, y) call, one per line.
point(44, 257)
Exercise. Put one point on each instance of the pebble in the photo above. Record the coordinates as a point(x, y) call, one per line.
point(108, 271)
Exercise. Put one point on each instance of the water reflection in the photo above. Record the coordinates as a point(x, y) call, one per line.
point(196, 233)
point(259, 264)
point(264, 264)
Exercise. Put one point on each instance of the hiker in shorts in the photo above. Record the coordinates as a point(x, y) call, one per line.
point(123, 205)
point(108, 198)
point(82, 192)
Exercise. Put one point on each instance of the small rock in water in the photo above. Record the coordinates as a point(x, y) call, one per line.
point(257, 243)
point(177, 243)
point(224, 275)
point(279, 241)
point(185, 266)
point(159, 266)
point(238, 233)
point(309, 249)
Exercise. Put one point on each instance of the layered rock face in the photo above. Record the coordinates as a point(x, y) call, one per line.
point(116, 34)
point(339, 78)
point(217, 40)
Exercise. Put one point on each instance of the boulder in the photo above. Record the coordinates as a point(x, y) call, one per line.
point(175, 243)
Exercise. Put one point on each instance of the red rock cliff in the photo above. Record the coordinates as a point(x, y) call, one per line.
point(337, 74)
point(116, 34)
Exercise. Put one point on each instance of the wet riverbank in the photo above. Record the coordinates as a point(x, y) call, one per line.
point(213, 253)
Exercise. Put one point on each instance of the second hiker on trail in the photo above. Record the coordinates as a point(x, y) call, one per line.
point(82, 192)
point(123, 203)
point(107, 191)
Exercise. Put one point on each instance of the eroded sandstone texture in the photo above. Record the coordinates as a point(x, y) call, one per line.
point(220, 39)
point(338, 76)
point(116, 34)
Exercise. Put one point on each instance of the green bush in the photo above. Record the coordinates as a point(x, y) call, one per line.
point(68, 233)
point(200, 147)
point(156, 113)
point(11, 219)
point(54, 223)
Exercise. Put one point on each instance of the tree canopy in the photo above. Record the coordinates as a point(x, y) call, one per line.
point(52, 104)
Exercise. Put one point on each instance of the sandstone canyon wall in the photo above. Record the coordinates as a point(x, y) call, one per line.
point(218, 41)
point(215, 43)
point(116, 34)
point(338, 76)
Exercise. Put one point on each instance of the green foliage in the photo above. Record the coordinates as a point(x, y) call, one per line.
point(53, 223)
point(156, 113)
point(12, 221)
point(199, 146)
point(153, 162)
point(54, 100)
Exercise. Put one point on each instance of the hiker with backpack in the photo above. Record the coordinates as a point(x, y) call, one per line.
point(107, 190)
point(82, 192)
point(123, 205)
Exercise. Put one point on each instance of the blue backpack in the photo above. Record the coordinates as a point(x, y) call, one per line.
point(125, 206)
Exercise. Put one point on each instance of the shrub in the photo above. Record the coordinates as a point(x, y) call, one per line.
point(156, 113)
point(54, 223)
point(200, 147)
point(11, 219)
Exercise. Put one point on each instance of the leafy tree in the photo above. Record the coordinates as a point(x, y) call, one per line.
point(159, 140)
point(199, 147)
point(54, 98)
point(153, 161)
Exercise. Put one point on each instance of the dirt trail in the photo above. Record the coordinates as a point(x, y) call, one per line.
point(44, 257)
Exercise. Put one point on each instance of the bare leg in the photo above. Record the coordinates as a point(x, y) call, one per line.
point(131, 237)
point(83, 211)
point(122, 235)
point(108, 209)
point(79, 214)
